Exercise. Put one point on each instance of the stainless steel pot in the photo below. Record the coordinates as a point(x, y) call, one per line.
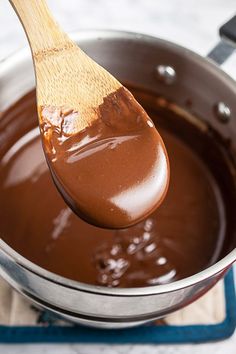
point(161, 67)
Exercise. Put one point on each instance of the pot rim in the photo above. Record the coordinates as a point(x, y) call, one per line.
point(6, 65)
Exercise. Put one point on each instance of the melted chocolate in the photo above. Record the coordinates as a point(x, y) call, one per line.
point(115, 172)
point(182, 237)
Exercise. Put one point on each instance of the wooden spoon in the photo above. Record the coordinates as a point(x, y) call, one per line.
point(92, 129)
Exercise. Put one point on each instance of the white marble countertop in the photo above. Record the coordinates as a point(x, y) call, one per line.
point(191, 23)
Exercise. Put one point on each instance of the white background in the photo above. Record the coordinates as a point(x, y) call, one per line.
point(192, 23)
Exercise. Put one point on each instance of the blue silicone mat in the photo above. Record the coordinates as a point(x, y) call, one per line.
point(155, 334)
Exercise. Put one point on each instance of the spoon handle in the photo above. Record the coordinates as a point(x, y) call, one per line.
point(43, 33)
point(65, 76)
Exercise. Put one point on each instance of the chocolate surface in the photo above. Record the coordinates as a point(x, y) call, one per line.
point(115, 172)
point(183, 236)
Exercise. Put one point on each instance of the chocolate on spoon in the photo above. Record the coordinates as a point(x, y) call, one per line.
point(105, 155)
